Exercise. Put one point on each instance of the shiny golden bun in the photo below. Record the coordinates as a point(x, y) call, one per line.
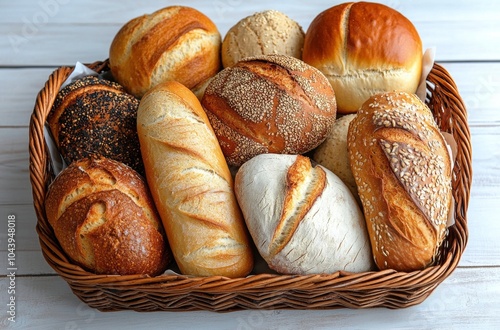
point(364, 48)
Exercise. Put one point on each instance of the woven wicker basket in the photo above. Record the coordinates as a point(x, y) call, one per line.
point(387, 288)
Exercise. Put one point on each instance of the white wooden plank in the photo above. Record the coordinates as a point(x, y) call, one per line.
point(479, 87)
point(14, 182)
point(39, 35)
point(478, 84)
point(463, 301)
point(18, 90)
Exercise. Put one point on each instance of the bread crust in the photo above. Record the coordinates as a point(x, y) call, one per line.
point(364, 48)
point(191, 184)
point(174, 43)
point(96, 116)
point(269, 104)
point(402, 169)
point(105, 220)
point(303, 219)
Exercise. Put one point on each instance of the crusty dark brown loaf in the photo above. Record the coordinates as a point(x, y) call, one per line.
point(364, 48)
point(402, 169)
point(269, 104)
point(96, 116)
point(105, 220)
point(174, 43)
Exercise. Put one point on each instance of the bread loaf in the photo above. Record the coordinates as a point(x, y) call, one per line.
point(191, 184)
point(364, 48)
point(96, 116)
point(263, 33)
point(174, 43)
point(303, 219)
point(105, 220)
point(332, 153)
point(402, 169)
point(269, 104)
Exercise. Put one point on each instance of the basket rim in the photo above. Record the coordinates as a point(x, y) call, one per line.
point(451, 105)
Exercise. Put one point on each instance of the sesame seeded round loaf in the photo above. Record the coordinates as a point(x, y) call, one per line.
point(269, 104)
point(96, 116)
point(104, 218)
point(402, 169)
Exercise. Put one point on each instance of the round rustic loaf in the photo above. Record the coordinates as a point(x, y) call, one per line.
point(269, 104)
point(364, 48)
point(263, 33)
point(174, 43)
point(332, 153)
point(104, 219)
point(96, 116)
point(303, 219)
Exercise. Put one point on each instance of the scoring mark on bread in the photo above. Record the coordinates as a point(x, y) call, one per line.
point(304, 185)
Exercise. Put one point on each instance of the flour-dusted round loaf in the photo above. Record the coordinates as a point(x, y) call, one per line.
point(269, 104)
point(96, 116)
point(104, 218)
point(364, 48)
point(303, 219)
point(265, 32)
point(332, 153)
point(402, 169)
point(174, 43)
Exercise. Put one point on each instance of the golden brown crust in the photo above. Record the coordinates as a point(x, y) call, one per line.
point(402, 170)
point(96, 116)
point(191, 184)
point(153, 48)
point(104, 218)
point(270, 103)
point(364, 48)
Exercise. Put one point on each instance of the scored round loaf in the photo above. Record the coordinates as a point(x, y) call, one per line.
point(269, 104)
point(402, 169)
point(332, 153)
point(364, 48)
point(303, 219)
point(96, 116)
point(263, 33)
point(174, 43)
point(104, 218)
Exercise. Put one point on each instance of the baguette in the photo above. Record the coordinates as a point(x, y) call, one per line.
point(191, 184)
point(402, 169)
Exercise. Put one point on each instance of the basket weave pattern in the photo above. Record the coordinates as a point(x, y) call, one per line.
point(387, 288)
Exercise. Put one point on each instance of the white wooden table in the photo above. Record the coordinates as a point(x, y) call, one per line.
point(36, 36)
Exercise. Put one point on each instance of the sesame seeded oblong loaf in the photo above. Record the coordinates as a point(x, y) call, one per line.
point(269, 104)
point(403, 173)
point(191, 184)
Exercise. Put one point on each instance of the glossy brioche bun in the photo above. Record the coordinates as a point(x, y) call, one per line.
point(174, 43)
point(364, 48)
point(269, 104)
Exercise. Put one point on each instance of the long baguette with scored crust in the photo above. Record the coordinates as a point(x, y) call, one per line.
point(402, 169)
point(191, 184)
